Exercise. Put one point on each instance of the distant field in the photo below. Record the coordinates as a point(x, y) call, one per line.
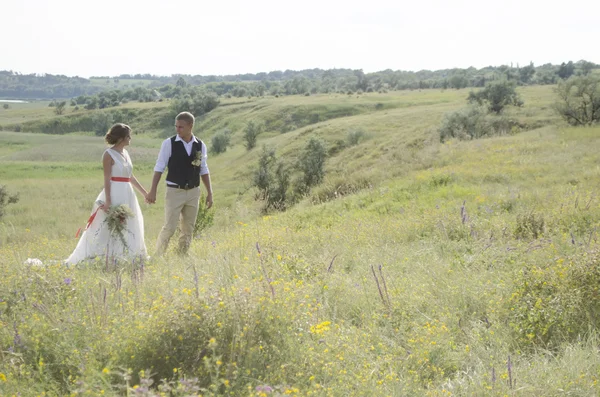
point(20, 112)
point(120, 84)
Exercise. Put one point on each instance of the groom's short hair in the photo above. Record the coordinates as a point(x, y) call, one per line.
point(185, 116)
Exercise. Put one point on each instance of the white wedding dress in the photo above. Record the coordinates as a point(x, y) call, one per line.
point(96, 241)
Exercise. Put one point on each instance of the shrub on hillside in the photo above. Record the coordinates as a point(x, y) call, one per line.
point(6, 199)
point(199, 104)
point(101, 122)
point(312, 162)
point(579, 100)
point(556, 302)
point(529, 226)
point(473, 123)
point(354, 136)
point(463, 124)
point(496, 96)
point(220, 141)
point(272, 178)
point(339, 187)
point(251, 134)
point(60, 107)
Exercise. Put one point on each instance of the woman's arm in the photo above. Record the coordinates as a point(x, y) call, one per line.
point(138, 186)
point(107, 163)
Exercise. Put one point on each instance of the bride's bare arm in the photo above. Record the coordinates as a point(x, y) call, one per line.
point(107, 162)
point(138, 185)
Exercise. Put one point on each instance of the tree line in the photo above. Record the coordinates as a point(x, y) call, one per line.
point(288, 82)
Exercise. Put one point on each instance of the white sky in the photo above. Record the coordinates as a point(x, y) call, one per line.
point(113, 37)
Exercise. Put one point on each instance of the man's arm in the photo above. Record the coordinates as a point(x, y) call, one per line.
point(151, 197)
point(206, 182)
point(205, 175)
point(159, 168)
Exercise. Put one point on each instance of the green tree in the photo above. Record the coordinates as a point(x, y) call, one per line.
point(201, 103)
point(181, 82)
point(362, 83)
point(579, 100)
point(312, 162)
point(566, 70)
point(526, 73)
point(102, 121)
point(496, 95)
point(458, 81)
point(586, 67)
point(251, 134)
point(463, 124)
point(220, 141)
point(272, 178)
point(91, 103)
point(60, 107)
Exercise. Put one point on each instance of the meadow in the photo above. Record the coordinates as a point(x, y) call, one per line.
point(416, 268)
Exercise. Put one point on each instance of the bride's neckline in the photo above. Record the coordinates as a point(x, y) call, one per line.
point(122, 153)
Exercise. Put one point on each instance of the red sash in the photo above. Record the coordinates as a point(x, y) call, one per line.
point(89, 222)
point(91, 219)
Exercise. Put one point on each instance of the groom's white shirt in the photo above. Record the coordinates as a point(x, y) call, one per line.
point(165, 154)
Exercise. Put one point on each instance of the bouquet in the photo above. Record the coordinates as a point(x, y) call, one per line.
point(116, 220)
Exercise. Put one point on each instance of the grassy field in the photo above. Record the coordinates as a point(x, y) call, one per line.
point(120, 84)
point(463, 268)
point(19, 112)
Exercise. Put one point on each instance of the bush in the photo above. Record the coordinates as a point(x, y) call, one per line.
point(579, 100)
point(339, 188)
point(466, 123)
point(474, 123)
point(529, 226)
point(60, 107)
point(496, 95)
point(220, 141)
point(251, 134)
point(6, 199)
point(354, 137)
point(199, 104)
point(557, 302)
point(272, 179)
point(101, 122)
point(312, 163)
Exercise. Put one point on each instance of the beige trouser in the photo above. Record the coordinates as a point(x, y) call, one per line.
point(180, 206)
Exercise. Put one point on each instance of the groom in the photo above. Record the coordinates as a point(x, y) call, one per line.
point(185, 157)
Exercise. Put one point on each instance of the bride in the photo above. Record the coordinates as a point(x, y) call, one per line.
point(97, 240)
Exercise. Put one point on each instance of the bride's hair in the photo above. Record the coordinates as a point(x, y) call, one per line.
point(116, 133)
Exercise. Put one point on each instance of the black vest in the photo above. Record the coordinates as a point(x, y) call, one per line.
point(181, 170)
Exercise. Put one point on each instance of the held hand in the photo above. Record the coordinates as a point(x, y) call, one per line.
point(106, 206)
point(209, 200)
point(151, 197)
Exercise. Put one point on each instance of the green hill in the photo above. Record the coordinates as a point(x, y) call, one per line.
point(416, 268)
